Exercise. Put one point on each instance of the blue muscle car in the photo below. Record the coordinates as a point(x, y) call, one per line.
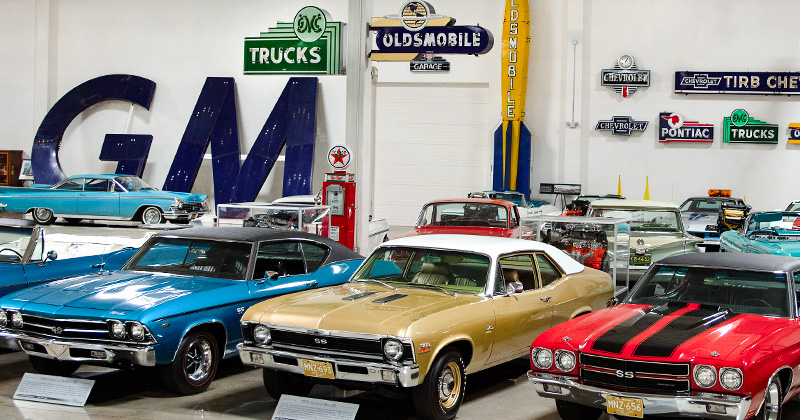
point(25, 263)
point(765, 232)
point(110, 197)
point(175, 304)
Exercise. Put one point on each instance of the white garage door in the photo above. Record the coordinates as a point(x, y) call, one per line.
point(431, 142)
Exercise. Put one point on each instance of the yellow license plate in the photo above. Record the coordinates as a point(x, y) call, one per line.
point(318, 369)
point(640, 259)
point(630, 407)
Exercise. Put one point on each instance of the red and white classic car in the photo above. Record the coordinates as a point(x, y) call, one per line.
point(469, 216)
point(707, 335)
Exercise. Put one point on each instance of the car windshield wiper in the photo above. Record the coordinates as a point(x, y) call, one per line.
point(377, 281)
point(451, 293)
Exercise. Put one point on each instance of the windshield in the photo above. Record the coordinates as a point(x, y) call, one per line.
point(774, 224)
point(14, 242)
point(452, 270)
point(751, 292)
point(133, 183)
point(705, 205)
point(464, 214)
point(656, 221)
point(193, 257)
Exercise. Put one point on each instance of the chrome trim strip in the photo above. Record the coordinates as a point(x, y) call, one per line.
point(60, 350)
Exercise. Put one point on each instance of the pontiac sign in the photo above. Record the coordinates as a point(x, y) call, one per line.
point(672, 127)
point(309, 45)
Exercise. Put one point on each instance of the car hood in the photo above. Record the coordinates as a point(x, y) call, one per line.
point(697, 222)
point(120, 290)
point(654, 242)
point(787, 245)
point(463, 230)
point(357, 307)
point(678, 332)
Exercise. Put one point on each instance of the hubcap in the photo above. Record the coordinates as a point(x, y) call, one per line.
point(772, 401)
point(199, 359)
point(449, 385)
point(42, 214)
point(151, 216)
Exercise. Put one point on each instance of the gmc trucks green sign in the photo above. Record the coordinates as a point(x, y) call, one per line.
point(309, 45)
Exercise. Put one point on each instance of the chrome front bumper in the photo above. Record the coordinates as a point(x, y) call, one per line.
point(693, 406)
point(179, 214)
point(67, 351)
point(378, 373)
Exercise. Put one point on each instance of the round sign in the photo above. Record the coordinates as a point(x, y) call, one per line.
point(739, 117)
point(415, 9)
point(339, 157)
point(309, 23)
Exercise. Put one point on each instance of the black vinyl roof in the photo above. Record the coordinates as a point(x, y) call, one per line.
point(339, 252)
point(735, 260)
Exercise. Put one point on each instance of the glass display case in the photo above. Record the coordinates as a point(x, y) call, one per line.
point(307, 218)
point(10, 164)
point(597, 242)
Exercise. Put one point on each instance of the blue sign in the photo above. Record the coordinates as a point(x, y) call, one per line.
point(739, 83)
point(434, 39)
point(621, 126)
point(672, 127)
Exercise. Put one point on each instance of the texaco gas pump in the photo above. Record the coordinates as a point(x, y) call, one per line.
point(339, 192)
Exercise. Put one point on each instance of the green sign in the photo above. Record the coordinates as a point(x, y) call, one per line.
point(309, 45)
point(740, 127)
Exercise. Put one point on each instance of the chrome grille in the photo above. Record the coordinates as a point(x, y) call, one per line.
point(635, 374)
point(84, 330)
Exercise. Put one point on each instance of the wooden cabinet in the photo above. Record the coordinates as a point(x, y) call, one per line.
point(10, 166)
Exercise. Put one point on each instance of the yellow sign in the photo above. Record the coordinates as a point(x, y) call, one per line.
point(516, 42)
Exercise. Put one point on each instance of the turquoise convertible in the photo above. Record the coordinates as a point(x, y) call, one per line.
point(765, 232)
point(109, 197)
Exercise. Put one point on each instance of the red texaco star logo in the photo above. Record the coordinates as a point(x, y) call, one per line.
point(339, 157)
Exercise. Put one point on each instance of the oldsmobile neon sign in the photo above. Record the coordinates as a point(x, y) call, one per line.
point(739, 83)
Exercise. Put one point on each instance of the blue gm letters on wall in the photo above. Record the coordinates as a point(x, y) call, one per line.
point(292, 123)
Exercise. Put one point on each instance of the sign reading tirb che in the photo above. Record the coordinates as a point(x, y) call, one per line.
point(311, 44)
point(417, 29)
point(625, 77)
point(738, 82)
point(672, 127)
point(621, 125)
point(740, 127)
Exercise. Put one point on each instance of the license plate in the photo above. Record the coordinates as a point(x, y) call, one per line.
point(640, 259)
point(630, 407)
point(318, 369)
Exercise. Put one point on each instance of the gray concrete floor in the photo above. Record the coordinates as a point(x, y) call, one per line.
point(237, 392)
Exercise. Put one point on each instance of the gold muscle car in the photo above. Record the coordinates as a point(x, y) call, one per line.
point(421, 313)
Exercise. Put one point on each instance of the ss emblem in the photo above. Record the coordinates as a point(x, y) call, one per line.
point(622, 374)
point(320, 341)
point(239, 311)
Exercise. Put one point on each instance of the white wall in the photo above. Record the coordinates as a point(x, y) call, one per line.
point(180, 43)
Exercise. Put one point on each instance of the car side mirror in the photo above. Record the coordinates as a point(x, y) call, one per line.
point(514, 287)
point(270, 275)
point(52, 255)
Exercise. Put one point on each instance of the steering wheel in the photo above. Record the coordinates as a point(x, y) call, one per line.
point(13, 251)
point(761, 302)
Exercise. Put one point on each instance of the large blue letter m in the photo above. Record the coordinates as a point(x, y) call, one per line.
point(292, 123)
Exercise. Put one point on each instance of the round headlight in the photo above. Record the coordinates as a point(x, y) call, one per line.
point(565, 360)
point(731, 379)
point(542, 358)
point(262, 334)
point(137, 331)
point(116, 329)
point(705, 376)
point(16, 320)
point(3, 318)
point(393, 349)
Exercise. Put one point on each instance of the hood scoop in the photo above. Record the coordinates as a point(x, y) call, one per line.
point(359, 295)
point(389, 298)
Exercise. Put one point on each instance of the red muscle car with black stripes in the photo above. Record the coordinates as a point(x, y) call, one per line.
point(706, 335)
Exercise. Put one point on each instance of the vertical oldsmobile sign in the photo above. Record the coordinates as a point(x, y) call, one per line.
point(512, 147)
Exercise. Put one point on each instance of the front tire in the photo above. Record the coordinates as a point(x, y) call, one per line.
point(53, 367)
point(773, 399)
point(278, 382)
point(152, 216)
point(194, 366)
point(439, 397)
point(573, 411)
point(43, 216)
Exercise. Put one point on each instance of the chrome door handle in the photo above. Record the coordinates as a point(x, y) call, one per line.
point(545, 299)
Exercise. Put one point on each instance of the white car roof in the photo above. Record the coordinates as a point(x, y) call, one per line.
point(492, 246)
point(633, 204)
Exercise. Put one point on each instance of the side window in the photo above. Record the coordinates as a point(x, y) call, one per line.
point(97, 185)
point(72, 184)
point(314, 255)
point(519, 268)
point(499, 283)
point(547, 270)
point(283, 258)
point(797, 288)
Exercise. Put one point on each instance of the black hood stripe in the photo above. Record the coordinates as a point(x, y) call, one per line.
point(615, 339)
point(683, 328)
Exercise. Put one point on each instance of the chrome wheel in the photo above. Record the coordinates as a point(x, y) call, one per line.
point(772, 401)
point(43, 216)
point(151, 216)
point(199, 360)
